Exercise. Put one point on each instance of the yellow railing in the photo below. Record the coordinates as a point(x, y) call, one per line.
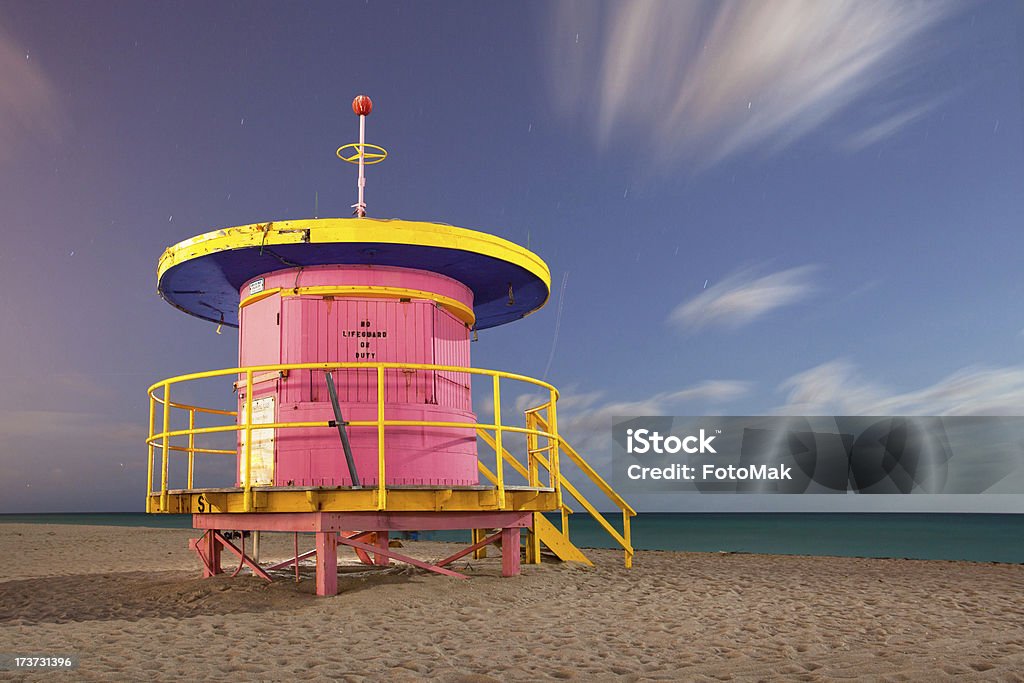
point(160, 395)
point(541, 426)
point(537, 423)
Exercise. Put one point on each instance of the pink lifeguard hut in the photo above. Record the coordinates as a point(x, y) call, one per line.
point(353, 407)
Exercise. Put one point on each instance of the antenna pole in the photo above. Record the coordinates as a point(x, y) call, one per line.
point(361, 107)
point(361, 205)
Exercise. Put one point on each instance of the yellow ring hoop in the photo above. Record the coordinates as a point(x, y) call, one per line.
point(369, 158)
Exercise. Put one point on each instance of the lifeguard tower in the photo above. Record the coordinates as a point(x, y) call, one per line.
point(351, 407)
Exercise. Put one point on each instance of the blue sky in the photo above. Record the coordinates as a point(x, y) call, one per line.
point(747, 207)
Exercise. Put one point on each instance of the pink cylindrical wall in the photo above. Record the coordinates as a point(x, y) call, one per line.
point(307, 316)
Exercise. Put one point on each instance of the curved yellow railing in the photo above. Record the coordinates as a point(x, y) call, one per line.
point(160, 395)
point(543, 442)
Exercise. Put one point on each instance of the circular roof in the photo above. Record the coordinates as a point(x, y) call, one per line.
point(202, 275)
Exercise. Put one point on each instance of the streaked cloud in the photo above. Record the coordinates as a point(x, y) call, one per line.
point(838, 388)
point(890, 126)
point(743, 297)
point(594, 403)
point(29, 106)
point(704, 81)
point(585, 418)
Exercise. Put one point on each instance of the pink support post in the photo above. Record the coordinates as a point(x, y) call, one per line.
point(326, 563)
point(381, 541)
point(209, 552)
point(510, 551)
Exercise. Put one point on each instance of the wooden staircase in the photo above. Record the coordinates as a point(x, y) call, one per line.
point(544, 533)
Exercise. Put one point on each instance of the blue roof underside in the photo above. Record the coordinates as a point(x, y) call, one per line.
point(207, 286)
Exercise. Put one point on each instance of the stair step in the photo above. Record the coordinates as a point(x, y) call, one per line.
point(557, 542)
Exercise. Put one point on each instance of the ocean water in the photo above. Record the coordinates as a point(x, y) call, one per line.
point(974, 537)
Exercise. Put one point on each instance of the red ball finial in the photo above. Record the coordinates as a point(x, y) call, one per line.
point(362, 105)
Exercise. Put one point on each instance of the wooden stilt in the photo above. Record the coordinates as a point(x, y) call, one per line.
point(382, 541)
point(209, 553)
point(326, 563)
point(510, 551)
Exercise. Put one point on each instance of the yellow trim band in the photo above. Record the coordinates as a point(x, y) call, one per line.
point(453, 306)
point(260, 296)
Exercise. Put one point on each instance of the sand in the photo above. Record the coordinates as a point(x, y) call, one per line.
point(129, 603)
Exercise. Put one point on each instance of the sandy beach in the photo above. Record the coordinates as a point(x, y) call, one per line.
point(129, 603)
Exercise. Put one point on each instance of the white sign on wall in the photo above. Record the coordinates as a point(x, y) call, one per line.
point(262, 443)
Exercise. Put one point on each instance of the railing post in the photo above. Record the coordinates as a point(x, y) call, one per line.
point(247, 482)
point(556, 480)
point(149, 446)
point(532, 446)
point(499, 469)
point(626, 536)
point(166, 448)
point(191, 443)
point(381, 489)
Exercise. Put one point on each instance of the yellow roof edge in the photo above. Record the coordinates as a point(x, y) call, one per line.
point(340, 230)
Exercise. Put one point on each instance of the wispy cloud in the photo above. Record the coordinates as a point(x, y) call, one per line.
point(743, 297)
point(29, 106)
point(838, 388)
point(888, 127)
point(705, 81)
point(586, 417)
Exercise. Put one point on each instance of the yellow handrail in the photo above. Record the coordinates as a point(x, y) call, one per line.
point(149, 459)
point(541, 423)
point(624, 539)
point(556, 473)
point(594, 476)
point(191, 444)
point(499, 469)
point(247, 482)
point(492, 442)
point(353, 423)
point(346, 366)
point(161, 439)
